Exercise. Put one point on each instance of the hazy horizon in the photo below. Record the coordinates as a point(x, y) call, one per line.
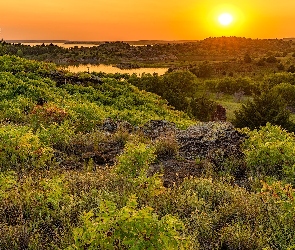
point(140, 40)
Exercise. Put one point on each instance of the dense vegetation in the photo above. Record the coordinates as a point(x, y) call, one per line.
point(227, 55)
point(75, 162)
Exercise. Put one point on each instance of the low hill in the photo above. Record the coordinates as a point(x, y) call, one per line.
point(88, 161)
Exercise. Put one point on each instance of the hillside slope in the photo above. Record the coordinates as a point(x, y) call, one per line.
point(90, 162)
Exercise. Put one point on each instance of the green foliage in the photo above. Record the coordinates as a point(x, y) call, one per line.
point(7, 182)
point(21, 149)
point(15, 64)
point(204, 70)
point(272, 80)
point(128, 228)
point(202, 108)
point(83, 107)
point(270, 151)
point(132, 169)
point(287, 92)
point(231, 85)
point(279, 201)
point(268, 107)
point(136, 160)
point(52, 144)
point(213, 209)
point(176, 87)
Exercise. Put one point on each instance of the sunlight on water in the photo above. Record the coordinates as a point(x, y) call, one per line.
point(64, 45)
point(111, 69)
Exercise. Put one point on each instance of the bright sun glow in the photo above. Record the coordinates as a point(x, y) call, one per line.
point(225, 19)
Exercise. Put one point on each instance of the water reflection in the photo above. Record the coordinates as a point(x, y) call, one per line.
point(65, 45)
point(72, 45)
point(111, 69)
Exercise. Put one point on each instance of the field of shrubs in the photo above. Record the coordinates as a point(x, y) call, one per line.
point(95, 161)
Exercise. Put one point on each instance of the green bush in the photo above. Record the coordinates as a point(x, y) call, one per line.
point(202, 108)
point(231, 85)
point(135, 160)
point(287, 92)
point(21, 149)
point(211, 210)
point(176, 87)
point(270, 151)
point(268, 107)
point(272, 80)
point(279, 200)
point(128, 228)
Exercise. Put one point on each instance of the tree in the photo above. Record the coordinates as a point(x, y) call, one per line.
point(204, 70)
point(176, 87)
point(202, 108)
point(271, 59)
point(247, 58)
point(287, 92)
point(20, 53)
point(268, 107)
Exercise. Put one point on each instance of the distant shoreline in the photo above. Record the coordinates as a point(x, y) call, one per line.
point(139, 42)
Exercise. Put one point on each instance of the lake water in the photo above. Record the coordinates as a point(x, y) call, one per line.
point(111, 69)
point(64, 45)
point(103, 67)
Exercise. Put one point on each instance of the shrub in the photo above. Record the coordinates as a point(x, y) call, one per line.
point(202, 108)
point(166, 147)
point(272, 80)
point(135, 160)
point(268, 107)
point(279, 199)
point(231, 85)
point(270, 151)
point(204, 70)
point(287, 92)
point(128, 228)
point(291, 69)
point(21, 149)
point(247, 58)
point(271, 59)
point(212, 210)
point(176, 87)
point(47, 114)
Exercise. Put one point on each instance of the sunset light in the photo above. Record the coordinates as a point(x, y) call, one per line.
point(135, 20)
point(139, 124)
point(225, 19)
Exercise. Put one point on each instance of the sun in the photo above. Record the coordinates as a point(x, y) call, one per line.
point(225, 19)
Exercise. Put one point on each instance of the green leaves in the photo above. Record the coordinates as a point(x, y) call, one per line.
point(128, 228)
point(268, 107)
point(21, 149)
point(270, 151)
point(136, 160)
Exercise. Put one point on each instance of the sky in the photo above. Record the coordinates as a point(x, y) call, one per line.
point(128, 20)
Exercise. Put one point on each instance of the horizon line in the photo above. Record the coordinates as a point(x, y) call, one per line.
point(140, 40)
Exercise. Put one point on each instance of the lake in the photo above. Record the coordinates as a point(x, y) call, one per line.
point(103, 67)
point(64, 45)
point(111, 69)
point(72, 45)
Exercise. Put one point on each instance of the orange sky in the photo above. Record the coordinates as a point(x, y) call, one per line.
point(144, 19)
